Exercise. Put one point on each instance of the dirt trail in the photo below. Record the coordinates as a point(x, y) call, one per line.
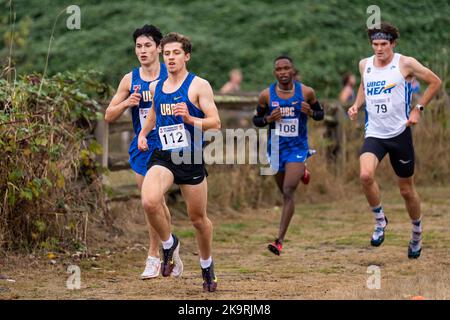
point(326, 256)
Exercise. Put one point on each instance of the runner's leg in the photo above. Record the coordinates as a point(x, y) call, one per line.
point(196, 200)
point(157, 182)
point(368, 165)
point(293, 173)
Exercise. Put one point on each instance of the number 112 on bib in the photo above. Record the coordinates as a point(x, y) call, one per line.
point(173, 137)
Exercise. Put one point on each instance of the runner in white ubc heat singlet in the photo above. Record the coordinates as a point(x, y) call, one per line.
point(386, 88)
point(388, 97)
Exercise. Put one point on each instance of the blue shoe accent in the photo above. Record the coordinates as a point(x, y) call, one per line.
point(380, 240)
point(378, 209)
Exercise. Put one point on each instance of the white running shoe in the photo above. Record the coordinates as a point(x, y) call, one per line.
point(152, 268)
point(178, 268)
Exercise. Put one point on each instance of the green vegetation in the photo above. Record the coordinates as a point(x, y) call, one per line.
point(326, 38)
point(49, 177)
point(228, 231)
point(186, 233)
point(47, 154)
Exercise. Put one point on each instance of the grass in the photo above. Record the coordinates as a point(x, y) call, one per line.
point(227, 232)
point(234, 227)
point(437, 239)
point(330, 270)
point(358, 239)
point(314, 265)
point(246, 271)
point(186, 233)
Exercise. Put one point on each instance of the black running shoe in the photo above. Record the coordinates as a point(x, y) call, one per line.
point(209, 278)
point(380, 232)
point(411, 253)
point(168, 263)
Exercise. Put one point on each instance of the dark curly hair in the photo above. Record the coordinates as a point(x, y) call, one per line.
point(385, 27)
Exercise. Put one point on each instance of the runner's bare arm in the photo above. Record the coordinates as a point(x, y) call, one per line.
point(310, 105)
point(416, 69)
point(149, 124)
point(360, 97)
point(121, 100)
point(206, 103)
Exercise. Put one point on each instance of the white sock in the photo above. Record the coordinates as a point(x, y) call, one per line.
point(168, 243)
point(205, 263)
point(379, 216)
point(152, 258)
point(416, 233)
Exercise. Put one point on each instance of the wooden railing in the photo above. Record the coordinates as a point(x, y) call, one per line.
point(229, 106)
point(235, 111)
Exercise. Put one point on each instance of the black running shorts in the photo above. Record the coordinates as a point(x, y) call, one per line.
point(399, 148)
point(183, 173)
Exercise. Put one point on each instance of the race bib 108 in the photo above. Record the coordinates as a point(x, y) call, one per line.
point(287, 127)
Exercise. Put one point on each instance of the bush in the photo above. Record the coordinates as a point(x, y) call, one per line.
point(49, 179)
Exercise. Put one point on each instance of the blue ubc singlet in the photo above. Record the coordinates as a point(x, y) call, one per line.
point(138, 159)
point(291, 129)
point(171, 134)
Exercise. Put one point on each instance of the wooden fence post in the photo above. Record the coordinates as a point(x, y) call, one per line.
point(342, 139)
point(102, 137)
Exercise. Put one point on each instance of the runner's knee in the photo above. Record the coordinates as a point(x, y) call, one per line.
point(200, 222)
point(366, 178)
point(407, 192)
point(288, 193)
point(151, 205)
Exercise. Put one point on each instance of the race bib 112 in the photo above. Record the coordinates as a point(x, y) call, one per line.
point(173, 137)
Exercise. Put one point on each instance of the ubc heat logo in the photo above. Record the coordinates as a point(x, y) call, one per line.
point(378, 87)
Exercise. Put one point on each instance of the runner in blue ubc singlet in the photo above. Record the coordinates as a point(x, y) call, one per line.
point(286, 106)
point(165, 118)
point(138, 159)
point(133, 94)
point(291, 129)
point(173, 135)
point(180, 103)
